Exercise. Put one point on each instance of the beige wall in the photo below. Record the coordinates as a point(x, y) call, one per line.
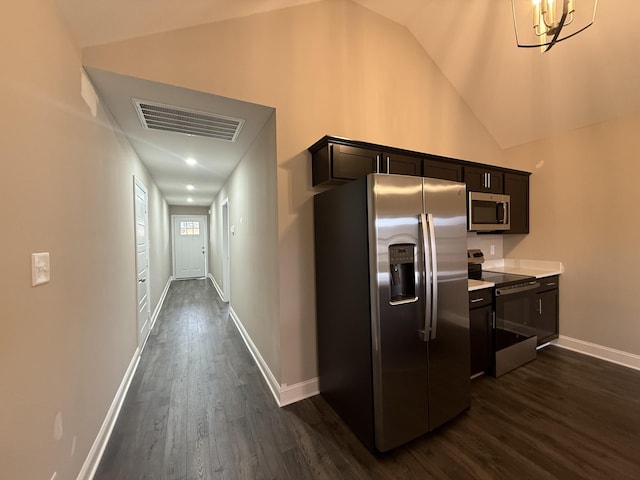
point(327, 68)
point(67, 188)
point(251, 191)
point(330, 67)
point(584, 212)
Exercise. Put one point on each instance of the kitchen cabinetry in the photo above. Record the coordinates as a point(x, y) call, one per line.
point(481, 330)
point(445, 170)
point(546, 307)
point(401, 164)
point(481, 179)
point(336, 162)
point(516, 185)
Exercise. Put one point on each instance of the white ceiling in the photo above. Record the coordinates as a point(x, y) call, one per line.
point(165, 153)
point(519, 95)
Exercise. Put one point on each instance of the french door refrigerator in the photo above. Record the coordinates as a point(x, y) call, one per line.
point(392, 305)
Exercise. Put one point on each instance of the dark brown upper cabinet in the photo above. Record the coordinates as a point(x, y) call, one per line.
point(401, 164)
point(516, 185)
point(435, 167)
point(336, 160)
point(482, 179)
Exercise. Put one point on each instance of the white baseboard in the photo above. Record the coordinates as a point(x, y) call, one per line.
point(294, 393)
point(216, 286)
point(255, 353)
point(612, 355)
point(283, 394)
point(92, 461)
point(156, 311)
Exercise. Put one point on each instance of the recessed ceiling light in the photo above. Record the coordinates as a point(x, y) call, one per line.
point(191, 162)
point(190, 187)
point(190, 200)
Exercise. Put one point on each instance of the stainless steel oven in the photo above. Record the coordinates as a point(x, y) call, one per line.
point(515, 338)
point(488, 212)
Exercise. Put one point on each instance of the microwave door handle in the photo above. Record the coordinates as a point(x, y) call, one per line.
point(424, 332)
point(506, 213)
point(501, 210)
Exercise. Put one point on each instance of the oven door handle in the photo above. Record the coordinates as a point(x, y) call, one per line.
point(512, 291)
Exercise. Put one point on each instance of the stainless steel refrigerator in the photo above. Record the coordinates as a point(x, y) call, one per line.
point(392, 305)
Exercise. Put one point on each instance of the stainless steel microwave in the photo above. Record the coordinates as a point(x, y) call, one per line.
point(488, 212)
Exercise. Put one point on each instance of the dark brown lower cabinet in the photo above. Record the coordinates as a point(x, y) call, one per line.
point(546, 309)
point(481, 330)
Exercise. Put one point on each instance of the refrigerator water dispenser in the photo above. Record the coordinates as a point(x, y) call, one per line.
point(402, 269)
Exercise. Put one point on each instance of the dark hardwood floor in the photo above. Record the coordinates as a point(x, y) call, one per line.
point(198, 408)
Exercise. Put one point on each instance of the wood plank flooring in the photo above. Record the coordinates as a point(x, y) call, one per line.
point(198, 408)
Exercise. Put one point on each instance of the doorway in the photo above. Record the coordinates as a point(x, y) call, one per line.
point(142, 261)
point(189, 246)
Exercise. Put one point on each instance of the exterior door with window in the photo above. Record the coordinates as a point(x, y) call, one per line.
point(189, 246)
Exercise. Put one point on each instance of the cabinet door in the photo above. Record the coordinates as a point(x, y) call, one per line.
point(481, 338)
point(440, 169)
point(401, 164)
point(484, 179)
point(547, 316)
point(517, 186)
point(350, 163)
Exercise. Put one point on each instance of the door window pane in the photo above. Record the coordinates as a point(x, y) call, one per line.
point(190, 228)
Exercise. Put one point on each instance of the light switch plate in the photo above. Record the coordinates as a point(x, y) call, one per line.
point(40, 270)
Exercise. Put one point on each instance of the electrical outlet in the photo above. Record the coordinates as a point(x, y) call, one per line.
point(492, 249)
point(40, 268)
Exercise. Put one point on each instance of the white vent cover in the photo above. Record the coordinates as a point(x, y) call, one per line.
point(169, 118)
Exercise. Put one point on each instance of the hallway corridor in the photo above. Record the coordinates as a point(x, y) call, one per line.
point(197, 405)
point(198, 408)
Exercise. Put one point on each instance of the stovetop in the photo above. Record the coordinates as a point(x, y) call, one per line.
point(504, 279)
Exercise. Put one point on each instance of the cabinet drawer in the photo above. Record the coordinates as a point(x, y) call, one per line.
point(480, 298)
point(549, 283)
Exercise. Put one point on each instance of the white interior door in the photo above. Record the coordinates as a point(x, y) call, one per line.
point(189, 246)
point(226, 254)
point(142, 261)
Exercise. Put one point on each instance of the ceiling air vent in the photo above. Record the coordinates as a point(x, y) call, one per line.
point(169, 118)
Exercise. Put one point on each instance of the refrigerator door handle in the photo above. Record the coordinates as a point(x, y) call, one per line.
point(424, 332)
point(434, 276)
point(431, 277)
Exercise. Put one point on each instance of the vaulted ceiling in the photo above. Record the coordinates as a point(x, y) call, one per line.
point(520, 95)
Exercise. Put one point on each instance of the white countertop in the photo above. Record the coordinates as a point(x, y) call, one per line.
point(533, 268)
point(479, 284)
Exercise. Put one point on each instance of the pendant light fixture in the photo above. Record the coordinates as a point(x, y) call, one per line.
point(543, 23)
